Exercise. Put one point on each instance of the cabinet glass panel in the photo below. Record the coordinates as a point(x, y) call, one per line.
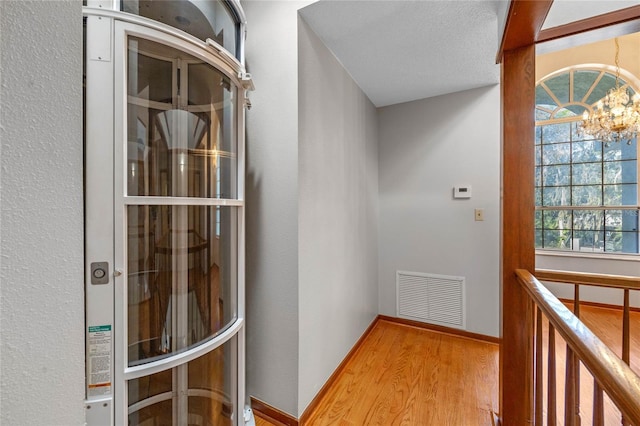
point(182, 277)
point(202, 19)
point(201, 391)
point(181, 125)
point(150, 73)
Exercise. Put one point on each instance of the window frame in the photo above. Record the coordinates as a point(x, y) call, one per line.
point(554, 114)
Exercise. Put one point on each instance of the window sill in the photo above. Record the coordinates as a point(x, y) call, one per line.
point(583, 254)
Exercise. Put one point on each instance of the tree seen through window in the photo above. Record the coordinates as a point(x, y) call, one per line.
point(586, 190)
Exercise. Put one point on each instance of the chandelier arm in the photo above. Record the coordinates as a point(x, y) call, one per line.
point(615, 117)
point(617, 61)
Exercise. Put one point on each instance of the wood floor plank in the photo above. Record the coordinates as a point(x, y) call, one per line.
point(404, 376)
point(408, 376)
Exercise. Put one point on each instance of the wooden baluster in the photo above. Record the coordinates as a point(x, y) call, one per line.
point(551, 378)
point(538, 381)
point(613, 374)
point(598, 404)
point(576, 361)
point(576, 365)
point(625, 337)
point(625, 328)
point(570, 390)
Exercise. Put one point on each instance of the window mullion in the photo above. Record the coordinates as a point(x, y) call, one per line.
point(557, 168)
point(604, 212)
point(571, 181)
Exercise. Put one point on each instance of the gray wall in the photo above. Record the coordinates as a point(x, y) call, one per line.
point(426, 148)
point(41, 241)
point(338, 213)
point(311, 209)
point(272, 204)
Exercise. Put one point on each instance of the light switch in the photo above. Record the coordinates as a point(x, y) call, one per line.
point(479, 213)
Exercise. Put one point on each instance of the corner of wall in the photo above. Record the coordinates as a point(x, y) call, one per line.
point(338, 214)
point(272, 292)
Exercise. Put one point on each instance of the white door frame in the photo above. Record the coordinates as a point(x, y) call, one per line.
point(106, 202)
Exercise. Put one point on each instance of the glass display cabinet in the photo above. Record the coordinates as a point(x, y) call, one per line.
point(165, 95)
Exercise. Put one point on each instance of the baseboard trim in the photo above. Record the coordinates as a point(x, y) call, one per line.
point(281, 418)
point(443, 329)
point(337, 372)
point(272, 414)
point(600, 305)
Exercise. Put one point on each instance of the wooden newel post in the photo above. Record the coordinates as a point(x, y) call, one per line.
point(516, 354)
point(517, 55)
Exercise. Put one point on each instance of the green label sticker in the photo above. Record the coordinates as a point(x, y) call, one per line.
point(99, 328)
point(99, 360)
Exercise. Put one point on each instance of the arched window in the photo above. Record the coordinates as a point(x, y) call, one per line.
point(586, 190)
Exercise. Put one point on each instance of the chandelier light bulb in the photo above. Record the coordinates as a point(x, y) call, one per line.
point(613, 118)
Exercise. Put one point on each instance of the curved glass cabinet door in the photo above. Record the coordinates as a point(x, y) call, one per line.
point(181, 125)
point(181, 236)
point(164, 149)
point(197, 393)
point(180, 258)
point(181, 280)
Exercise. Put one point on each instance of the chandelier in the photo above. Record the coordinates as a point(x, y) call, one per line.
point(616, 117)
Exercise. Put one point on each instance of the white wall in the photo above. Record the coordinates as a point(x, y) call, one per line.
point(41, 241)
point(426, 148)
point(338, 213)
point(595, 264)
point(272, 203)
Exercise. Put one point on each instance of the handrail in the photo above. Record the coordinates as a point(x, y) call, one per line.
point(583, 278)
point(614, 376)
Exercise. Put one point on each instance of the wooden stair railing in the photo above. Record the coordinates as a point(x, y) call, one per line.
point(621, 282)
point(577, 279)
point(610, 373)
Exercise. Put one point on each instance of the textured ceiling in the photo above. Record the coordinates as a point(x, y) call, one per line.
point(399, 51)
point(403, 50)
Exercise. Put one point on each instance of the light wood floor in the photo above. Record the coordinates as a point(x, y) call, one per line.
point(607, 325)
point(404, 375)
